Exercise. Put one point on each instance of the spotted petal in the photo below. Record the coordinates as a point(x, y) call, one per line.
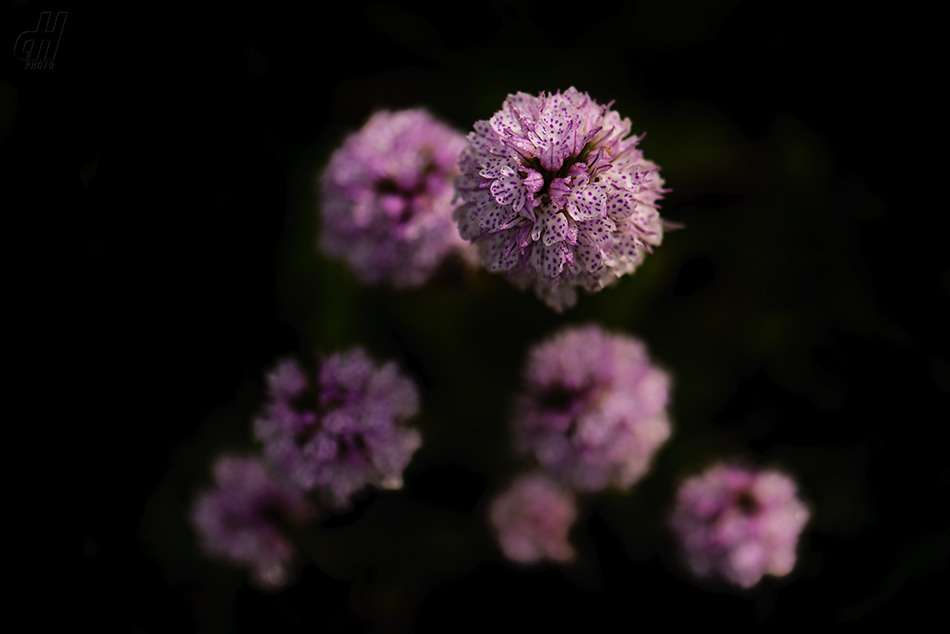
point(552, 259)
point(555, 131)
point(482, 145)
point(536, 257)
point(598, 231)
point(500, 251)
point(555, 227)
point(621, 205)
point(647, 218)
point(489, 215)
point(468, 228)
point(497, 167)
point(510, 191)
point(627, 250)
point(628, 175)
point(588, 203)
point(590, 257)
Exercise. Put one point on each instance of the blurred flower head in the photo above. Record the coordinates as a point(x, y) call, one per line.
point(738, 523)
point(593, 408)
point(386, 199)
point(241, 519)
point(345, 430)
point(532, 519)
point(557, 195)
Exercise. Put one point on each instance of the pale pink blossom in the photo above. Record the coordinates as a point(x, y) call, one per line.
point(592, 411)
point(386, 199)
point(532, 519)
point(739, 523)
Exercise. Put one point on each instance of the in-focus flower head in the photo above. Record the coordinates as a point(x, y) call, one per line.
point(345, 430)
point(593, 408)
point(240, 519)
point(557, 194)
point(532, 519)
point(386, 198)
point(737, 523)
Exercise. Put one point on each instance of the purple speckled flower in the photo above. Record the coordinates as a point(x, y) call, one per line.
point(739, 523)
point(387, 198)
point(593, 410)
point(345, 431)
point(239, 520)
point(557, 195)
point(532, 519)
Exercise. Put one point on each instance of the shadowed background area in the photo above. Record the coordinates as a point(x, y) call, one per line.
point(170, 165)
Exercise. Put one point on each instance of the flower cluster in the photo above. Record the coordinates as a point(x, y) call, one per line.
point(532, 519)
point(592, 414)
point(739, 523)
point(240, 520)
point(387, 198)
point(345, 430)
point(557, 194)
point(554, 192)
point(593, 410)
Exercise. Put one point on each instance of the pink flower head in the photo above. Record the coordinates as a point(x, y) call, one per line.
point(532, 519)
point(593, 411)
point(387, 198)
point(343, 431)
point(240, 519)
point(557, 194)
point(739, 523)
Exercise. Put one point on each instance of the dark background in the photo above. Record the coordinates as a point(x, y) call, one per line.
point(160, 213)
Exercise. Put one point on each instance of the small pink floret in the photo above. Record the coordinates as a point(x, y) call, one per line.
point(738, 523)
point(532, 519)
point(387, 199)
point(593, 409)
point(239, 520)
point(343, 431)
